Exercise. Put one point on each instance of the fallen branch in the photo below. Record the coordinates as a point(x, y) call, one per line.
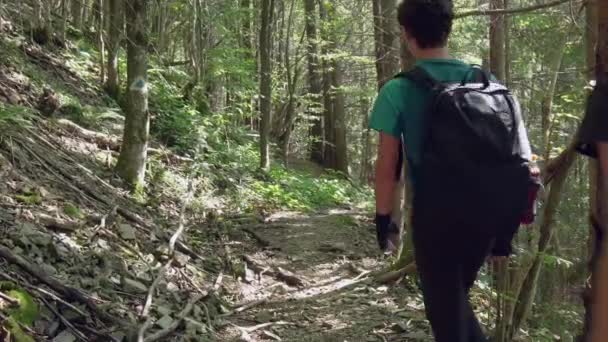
point(12, 301)
point(63, 320)
point(393, 276)
point(261, 326)
point(69, 292)
point(56, 223)
point(249, 305)
point(103, 141)
point(280, 274)
point(510, 11)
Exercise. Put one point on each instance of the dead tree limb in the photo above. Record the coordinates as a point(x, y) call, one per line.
point(510, 11)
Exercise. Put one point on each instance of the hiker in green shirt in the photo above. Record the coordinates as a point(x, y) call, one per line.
point(449, 251)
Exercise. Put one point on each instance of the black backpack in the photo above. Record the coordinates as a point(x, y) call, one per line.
point(475, 164)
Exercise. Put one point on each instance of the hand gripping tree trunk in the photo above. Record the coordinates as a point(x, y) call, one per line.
point(115, 24)
point(132, 161)
point(265, 83)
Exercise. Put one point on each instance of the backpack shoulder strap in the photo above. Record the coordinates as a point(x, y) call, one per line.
point(421, 77)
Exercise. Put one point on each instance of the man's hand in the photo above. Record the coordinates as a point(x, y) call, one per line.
point(497, 259)
point(387, 233)
point(386, 166)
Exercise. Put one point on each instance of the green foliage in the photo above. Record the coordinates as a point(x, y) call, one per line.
point(72, 211)
point(14, 114)
point(29, 198)
point(25, 313)
point(294, 190)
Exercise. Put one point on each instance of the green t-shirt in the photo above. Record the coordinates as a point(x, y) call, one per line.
point(400, 106)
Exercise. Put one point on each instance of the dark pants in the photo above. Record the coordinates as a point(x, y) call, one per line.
point(448, 257)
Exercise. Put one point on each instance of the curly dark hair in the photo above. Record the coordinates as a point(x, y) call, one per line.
point(428, 21)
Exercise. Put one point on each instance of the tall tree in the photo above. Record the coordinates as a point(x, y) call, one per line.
point(265, 82)
point(314, 82)
point(115, 31)
point(339, 118)
point(497, 41)
point(597, 30)
point(76, 12)
point(131, 164)
point(101, 44)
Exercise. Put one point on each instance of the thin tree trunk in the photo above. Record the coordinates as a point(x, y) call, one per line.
point(131, 164)
point(379, 43)
point(314, 83)
point(291, 88)
point(265, 83)
point(101, 40)
point(507, 37)
point(76, 12)
point(390, 38)
point(522, 282)
point(339, 116)
point(114, 37)
point(497, 41)
point(525, 297)
point(329, 148)
point(554, 64)
point(64, 19)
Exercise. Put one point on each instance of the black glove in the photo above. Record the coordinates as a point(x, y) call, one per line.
point(502, 244)
point(384, 229)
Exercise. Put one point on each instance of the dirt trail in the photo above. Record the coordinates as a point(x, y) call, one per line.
point(312, 285)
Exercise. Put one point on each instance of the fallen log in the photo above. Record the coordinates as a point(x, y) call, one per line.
point(103, 141)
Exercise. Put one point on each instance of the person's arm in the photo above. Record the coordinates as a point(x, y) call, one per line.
point(599, 329)
point(386, 164)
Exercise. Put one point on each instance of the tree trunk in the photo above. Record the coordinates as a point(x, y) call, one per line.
point(597, 55)
point(507, 45)
point(379, 43)
point(132, 160)
point(526, 295)
point(314, 83)
point(64, 19)
point(339, 117)
point(115, 16)
point(291, 71)
point(366, 142)
point(265, 83)
point(76, 12)
point(390, 38)
point(554, 63)
point(386, 37)
point(497, 41)
point(522, 282)
point(101, 40)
